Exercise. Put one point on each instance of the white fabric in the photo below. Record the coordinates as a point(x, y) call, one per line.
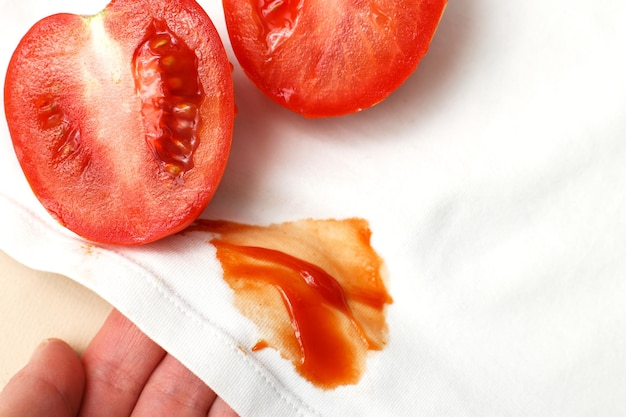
point(494, 181)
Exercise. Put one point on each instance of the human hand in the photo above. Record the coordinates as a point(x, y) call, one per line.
point(122, 374)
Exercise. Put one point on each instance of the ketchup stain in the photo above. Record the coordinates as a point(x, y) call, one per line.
point(328, 282)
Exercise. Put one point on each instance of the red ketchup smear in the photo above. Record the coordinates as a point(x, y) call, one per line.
point(331, 336)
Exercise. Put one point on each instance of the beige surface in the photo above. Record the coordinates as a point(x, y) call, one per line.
point(36, 305)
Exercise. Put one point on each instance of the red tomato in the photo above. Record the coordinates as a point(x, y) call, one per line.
point(328, 58)
point(122, 121)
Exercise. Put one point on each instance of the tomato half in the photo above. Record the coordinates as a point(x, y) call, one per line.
point(122, 121)
point(328, 58)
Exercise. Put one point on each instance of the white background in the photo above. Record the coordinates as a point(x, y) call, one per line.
point(494, 183)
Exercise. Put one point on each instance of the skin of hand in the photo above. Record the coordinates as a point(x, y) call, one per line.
point(121, 374)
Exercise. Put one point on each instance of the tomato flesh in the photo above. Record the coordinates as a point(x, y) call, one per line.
point(122, 121)
point(330, 58)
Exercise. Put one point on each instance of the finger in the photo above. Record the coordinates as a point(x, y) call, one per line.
point(221, 409)
point(51, 384)
point(118, 363)
point(173, 390)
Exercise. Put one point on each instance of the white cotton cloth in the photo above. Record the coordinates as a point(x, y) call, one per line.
point(494, 181)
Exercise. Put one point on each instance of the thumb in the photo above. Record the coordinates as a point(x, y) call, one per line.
point(51, 384)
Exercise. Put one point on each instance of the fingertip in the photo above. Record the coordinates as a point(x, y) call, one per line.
point(50, 384)
point(53, 346)
point(56, 359)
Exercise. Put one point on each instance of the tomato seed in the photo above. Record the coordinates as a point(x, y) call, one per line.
point(166, 79)
point(279, 19)
point(186, 110)
point(49, 114)
point(159, 42)
point(168, 61)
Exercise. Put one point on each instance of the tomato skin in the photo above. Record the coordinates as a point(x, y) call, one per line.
point(330, 58)
point(81, 127)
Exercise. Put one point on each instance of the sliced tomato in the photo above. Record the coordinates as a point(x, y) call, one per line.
point(122, 121)
point(328, 58)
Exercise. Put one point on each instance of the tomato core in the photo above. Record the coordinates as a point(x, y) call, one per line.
point(166, 79)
